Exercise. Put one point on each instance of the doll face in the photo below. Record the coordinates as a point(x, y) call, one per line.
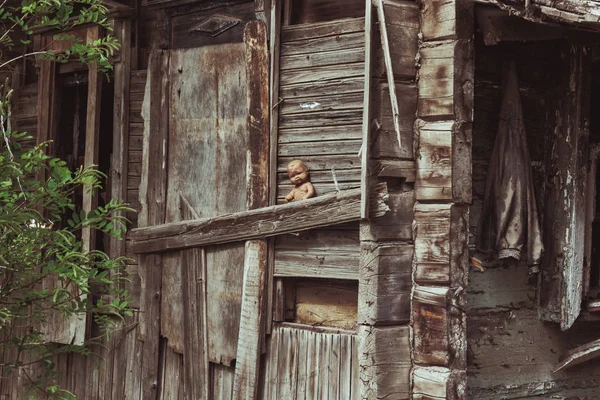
point(297, 172)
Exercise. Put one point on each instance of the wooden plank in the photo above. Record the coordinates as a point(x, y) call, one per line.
point(326, 264)
point(153, 200)
point(320, 88)
point(562, 272)
point(355, 40)
point(430, 325)
point(321, 29)
point(365, 150)
point(269, 221)
point(119, 172)
point(318, 134)
point(331, 102)
point(321, 74)
point(432, 243)
point(335, 57)
point(434, 163)
point(384, 290)
point(326, 147)
point(384, 362)
point(245, 384)
point(343, 175)
point(322, 119)
point(579, 355)
point(222, 382)
point(436, 80)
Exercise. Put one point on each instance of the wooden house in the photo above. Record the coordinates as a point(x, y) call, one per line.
point(366, 291)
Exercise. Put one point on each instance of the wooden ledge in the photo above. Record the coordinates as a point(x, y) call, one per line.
point(330, 209)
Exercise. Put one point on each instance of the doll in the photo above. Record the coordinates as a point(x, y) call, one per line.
point(303, 189)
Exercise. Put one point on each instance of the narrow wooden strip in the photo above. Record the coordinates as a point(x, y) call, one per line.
point(322, 119)
point(321, 44)
point(365, 150)
point(320, 29)
point(336, 57)
point(321, 74)
point(320, 88)
point(323, 162)
point(348, 146)
point(389, 69)
point(578, 355)
point(245, 384)
point(340, 207)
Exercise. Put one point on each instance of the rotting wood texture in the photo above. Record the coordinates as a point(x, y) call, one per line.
point(255, 224)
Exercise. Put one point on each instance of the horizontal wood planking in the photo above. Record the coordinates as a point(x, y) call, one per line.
point(434, 163)
point(324, 176)
point(310, 60)
point(328, 263)
point(384, 362)
point(354, 40)
point(385, 284)
point(330, 102)
point(308, 364)
point(321, 188)
point(321, 29)
point(348, 146)
point(269, 221)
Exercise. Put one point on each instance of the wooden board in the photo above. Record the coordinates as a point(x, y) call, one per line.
point(208, 143)
point(311, 364)
point(434, 163)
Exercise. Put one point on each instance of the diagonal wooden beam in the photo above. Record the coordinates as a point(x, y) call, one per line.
point(330, 209)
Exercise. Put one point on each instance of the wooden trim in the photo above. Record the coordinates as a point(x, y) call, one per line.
point(334, 208)
point(365, 150)
point(92, 137)
point(120, 155)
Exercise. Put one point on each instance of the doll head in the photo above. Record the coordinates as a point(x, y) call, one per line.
point(298, 172)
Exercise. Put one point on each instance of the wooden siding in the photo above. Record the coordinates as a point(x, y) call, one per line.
point(311, 364)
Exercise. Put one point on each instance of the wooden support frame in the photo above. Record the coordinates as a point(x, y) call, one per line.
point(334, 208)
point(365, 150)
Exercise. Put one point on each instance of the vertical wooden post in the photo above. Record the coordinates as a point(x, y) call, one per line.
point(441, 264)
point(366, 124)
point(92, 137)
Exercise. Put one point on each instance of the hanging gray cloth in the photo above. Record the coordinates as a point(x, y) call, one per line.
point(509, 222)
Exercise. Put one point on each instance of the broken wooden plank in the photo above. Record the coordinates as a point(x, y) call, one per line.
point(389, 69)
point(579, 355)
point(312, 213)
point(245, 384)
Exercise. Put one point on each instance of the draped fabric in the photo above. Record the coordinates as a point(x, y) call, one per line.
point(510, 223)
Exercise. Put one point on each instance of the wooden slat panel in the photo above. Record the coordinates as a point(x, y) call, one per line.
point(321, 188)
point(347, 41)
point(338, 57)
point(320, 29)
point(333, 103)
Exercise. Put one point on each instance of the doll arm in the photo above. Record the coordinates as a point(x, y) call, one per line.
point(290, 196)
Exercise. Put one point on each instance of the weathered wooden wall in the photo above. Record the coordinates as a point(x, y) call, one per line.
point(511, 353)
